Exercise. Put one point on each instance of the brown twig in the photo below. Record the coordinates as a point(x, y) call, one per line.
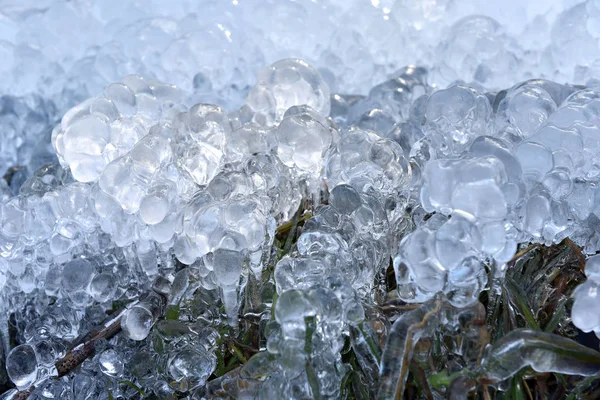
point(523, 252)
point(287, 226)
point(578, 254)
point(486, 392)
point(82, 349)
point(393, 308)
point(23, 394)
point(526, 387)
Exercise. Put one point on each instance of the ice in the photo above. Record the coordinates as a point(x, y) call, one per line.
point(76, 275)
point(477, 50)
point(103, 287)
point(525, 110)
point(96, 132)
point(287, 83)
point(302, 140)
point(110, 363)
point(139, 319)
point(201, 136)
point(370, 164)
point(455, 116)
point(191, 367)
point(413, 133)
point(543, 353)
point(22, 366)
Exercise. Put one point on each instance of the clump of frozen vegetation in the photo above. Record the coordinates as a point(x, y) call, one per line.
point(156, 168)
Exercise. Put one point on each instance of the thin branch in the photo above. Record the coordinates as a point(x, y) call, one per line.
point(82, 349)
point(578, 254)
point(523, 252)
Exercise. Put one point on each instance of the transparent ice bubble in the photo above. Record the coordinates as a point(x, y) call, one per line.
point(466, 282)
point(477, 49)
point(137, 322)
point(103, 286)
point(46, 353)
point(525, 109)
point(192, 365)
point(284, 84)
point(227, 265)
point(592, 268)
point(77, 274)
point(585, 313)
point(22, 366)
point(111, 363)
point(455, 116)
point(302, 141)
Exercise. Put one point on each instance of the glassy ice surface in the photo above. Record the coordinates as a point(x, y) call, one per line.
point(148, 160)
point(22, 366)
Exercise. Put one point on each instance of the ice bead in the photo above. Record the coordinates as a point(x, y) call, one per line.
point(22, 366)
point(430, 262)
point(455, 116)
point(139, 319)
point(191, 366)
point(302, 140)
point(77, 275)
point(524, 110)
point(199, 144)
point(228, 236)
point(368, 163)
point(585, 314)
point(284, 84)
point(111, 363)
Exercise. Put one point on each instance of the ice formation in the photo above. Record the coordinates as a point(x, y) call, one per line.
point(176, 154)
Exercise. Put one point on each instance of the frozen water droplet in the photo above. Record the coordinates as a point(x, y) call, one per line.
point(111, 363)
point(21, 366)
point(77, 274)
point(103, 287)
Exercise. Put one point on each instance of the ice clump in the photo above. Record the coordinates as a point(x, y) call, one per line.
point(320, 285)
point(215, 55)
point(101, 129)
point(523, 178)
point(287, 83)
point(585, 312)
point(476, 50)
point(341, 249)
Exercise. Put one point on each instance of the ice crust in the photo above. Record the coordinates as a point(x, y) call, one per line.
point(152, 151)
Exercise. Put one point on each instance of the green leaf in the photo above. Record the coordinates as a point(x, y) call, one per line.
point(259, 366)
point(311, 325)
point(374, 347)
point(516, 391)
point(517, 297)
point(346, 384)
point(238, 354)
point(173, 312)
point(439, 379)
